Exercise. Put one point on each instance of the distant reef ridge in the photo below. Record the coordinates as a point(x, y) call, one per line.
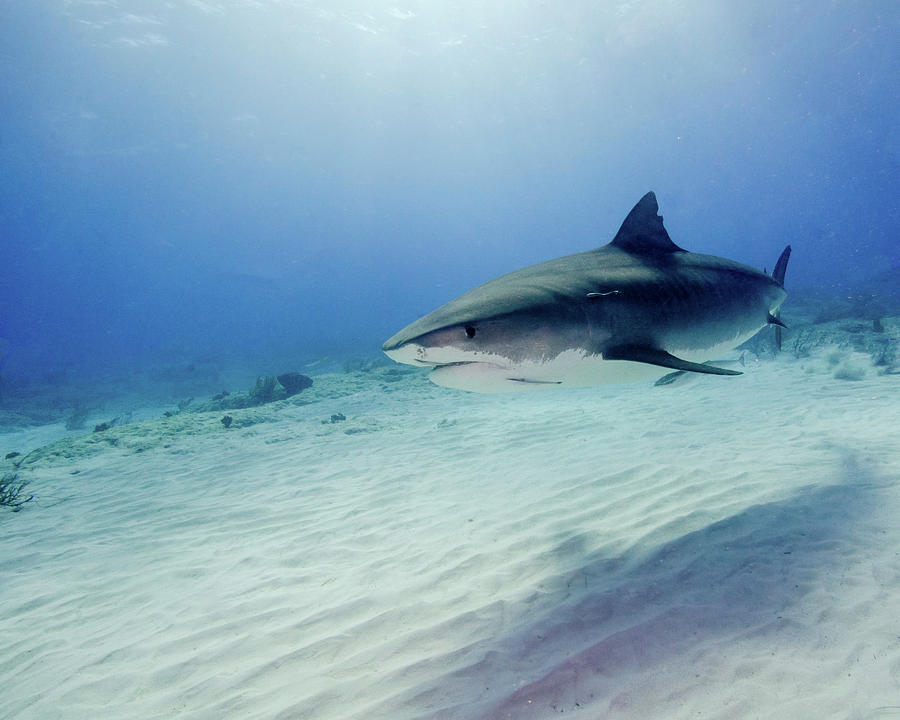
point(268, 388)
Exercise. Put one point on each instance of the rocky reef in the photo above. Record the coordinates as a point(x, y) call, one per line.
point(267, 389)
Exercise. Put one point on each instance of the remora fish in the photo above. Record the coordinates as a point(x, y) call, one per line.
point(636, 308)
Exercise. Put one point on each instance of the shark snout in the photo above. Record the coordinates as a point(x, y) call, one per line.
point(423, 355)
point(389, 347)
point(408, 353)
point(393, 343)
point(403, 342)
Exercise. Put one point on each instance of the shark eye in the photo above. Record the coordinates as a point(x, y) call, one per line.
point(470, 332)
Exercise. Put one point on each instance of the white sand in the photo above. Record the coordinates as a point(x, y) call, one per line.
point(725, 548)
point(26, 439)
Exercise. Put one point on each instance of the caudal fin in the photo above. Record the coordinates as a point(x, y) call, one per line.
point(781, 266)
point(778, 276)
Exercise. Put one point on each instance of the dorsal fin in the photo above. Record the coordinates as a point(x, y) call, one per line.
point(643, 231)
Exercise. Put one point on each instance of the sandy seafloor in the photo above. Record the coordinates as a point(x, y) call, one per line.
point(717, 548)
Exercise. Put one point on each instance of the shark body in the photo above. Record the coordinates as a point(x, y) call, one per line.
point(636, 308)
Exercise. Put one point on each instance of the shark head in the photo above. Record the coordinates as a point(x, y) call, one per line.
point(636, 301)
point(477, 343)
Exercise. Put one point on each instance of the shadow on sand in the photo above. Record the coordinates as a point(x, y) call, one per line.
point(630, 616)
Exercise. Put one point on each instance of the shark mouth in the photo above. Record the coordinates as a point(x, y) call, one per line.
point(535, 382)
point(433, 364)
point(479, 376)
point(490, 373)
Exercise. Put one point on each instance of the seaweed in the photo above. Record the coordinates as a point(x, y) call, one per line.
point(11, 492)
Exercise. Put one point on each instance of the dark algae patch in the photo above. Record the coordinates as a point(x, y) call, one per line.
point(12, 492)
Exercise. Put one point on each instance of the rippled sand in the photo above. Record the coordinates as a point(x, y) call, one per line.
point(723, 547)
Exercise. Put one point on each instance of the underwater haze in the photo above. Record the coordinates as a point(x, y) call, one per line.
point(221, 497)
point(281, 181)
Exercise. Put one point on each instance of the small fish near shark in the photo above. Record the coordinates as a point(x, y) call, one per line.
point(636, 308)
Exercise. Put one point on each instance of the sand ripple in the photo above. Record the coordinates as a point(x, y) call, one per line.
point(724, 549)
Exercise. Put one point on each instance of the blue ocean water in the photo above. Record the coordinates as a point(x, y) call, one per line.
point(197, 193)
point(200, 180)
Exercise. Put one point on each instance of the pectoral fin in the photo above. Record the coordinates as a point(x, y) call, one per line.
point(775, 320)
point(652, 356)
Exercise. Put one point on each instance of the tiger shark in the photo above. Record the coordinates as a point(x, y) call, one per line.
point(637, 308)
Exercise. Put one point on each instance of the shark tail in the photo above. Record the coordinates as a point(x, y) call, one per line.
point(781, 266)
point(778, 276)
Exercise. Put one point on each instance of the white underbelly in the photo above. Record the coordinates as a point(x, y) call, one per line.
point(569, 369)
point(572, 368)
